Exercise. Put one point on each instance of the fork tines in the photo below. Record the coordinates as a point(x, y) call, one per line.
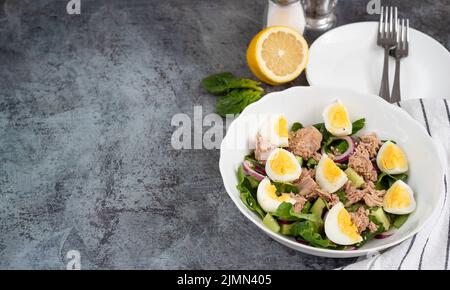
point(388, 23)
point(402, 34)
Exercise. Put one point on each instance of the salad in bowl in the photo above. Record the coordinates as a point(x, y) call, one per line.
point(324, 184)
point(331, 172)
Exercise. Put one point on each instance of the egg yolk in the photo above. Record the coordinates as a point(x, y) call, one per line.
point(281, 127)
point(282, 163)
point(330, 171)
point(347, 226)
point(397, 197)
point(393, 157)
point(338, 116)
point(271, 191)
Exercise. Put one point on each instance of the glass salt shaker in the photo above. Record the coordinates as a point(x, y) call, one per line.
point(285, 13)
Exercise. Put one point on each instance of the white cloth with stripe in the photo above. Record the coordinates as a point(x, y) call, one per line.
point(429, 249)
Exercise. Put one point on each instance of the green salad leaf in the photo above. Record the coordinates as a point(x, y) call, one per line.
point(385, 180)
point(342, 196)
point(296, 126)
point(400, 220)
point(222, 83)
point(285, 211)
point(323, 130)
point(367, 235)
point(235, 101)
point(284, 187)
point(312, 163)
point(308, 231)
point(247, 187)
point(358, 125)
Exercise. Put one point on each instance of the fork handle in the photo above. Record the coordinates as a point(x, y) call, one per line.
point(384, 89)
point(395, 96)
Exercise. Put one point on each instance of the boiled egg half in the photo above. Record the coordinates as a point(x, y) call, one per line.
point(275, 130)
point(336, 119)
point(267, 197)
point(339, 227)
point(282, 166)
point(391, 159)
point(399, 199)
point(329, 176)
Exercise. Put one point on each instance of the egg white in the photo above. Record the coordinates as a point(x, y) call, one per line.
point(335, 130)
point(323, 182)
point(381, 156)
point(332, 229)
point(404, 210)
point(288, 177)
point(269, 133)
point(267, 203)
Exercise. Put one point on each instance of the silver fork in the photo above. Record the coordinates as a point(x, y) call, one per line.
point(387, 38)
point(400, 52)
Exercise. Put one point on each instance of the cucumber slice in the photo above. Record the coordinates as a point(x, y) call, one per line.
point(318, 207)
point(354, 177)
point(400, 220)
point(271, 223)
point(381, 217)
point(286, 229)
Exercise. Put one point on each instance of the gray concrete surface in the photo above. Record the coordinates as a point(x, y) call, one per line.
point(85, 156)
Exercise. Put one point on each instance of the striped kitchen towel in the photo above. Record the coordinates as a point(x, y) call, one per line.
point(428, 249)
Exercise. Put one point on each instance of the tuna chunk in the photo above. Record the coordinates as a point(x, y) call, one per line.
point(306, 184)
point(305, 142)
point(372, 227)
point(361, 163)
point(373, 197)
point(330, 198)
point(263, 148)
point(371, 144)
point(299, 202)
point(360, 218)
point(353, 195)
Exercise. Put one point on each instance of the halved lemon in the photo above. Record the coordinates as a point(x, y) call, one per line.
point(277, 55)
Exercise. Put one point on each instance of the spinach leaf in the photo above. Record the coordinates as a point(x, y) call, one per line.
point(323, 130)
point(385, 180)
point(312, 163)
point(235, 101)
point(308, 231)
point(335, 146)
point(285, 211)
point(342, 196)
point(251, 157)
point(400, 220)
point(358, 125)
point(222, 83)
point(284, 187)
point(296, 126)
point(306, 207)
point(367, 235)
point(247, 186)
point(354, 207)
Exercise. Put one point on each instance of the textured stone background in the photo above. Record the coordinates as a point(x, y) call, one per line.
point(85, 156)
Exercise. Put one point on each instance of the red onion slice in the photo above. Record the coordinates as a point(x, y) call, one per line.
point(280, 221)
point(248, 170)
point(384, 235)
point(344, 156)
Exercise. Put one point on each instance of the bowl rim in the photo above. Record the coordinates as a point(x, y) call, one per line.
point(307, 248)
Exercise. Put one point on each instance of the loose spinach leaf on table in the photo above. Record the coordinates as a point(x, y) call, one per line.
point(235, 101)
point(222, 83)
point(358, 125)
point(285, 211)
point(308, 231)
point(385, 180)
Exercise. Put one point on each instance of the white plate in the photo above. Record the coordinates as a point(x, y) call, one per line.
point(348, 56)
point(305, 104)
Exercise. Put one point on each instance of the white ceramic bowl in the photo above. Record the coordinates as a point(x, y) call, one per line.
point(305, 104)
